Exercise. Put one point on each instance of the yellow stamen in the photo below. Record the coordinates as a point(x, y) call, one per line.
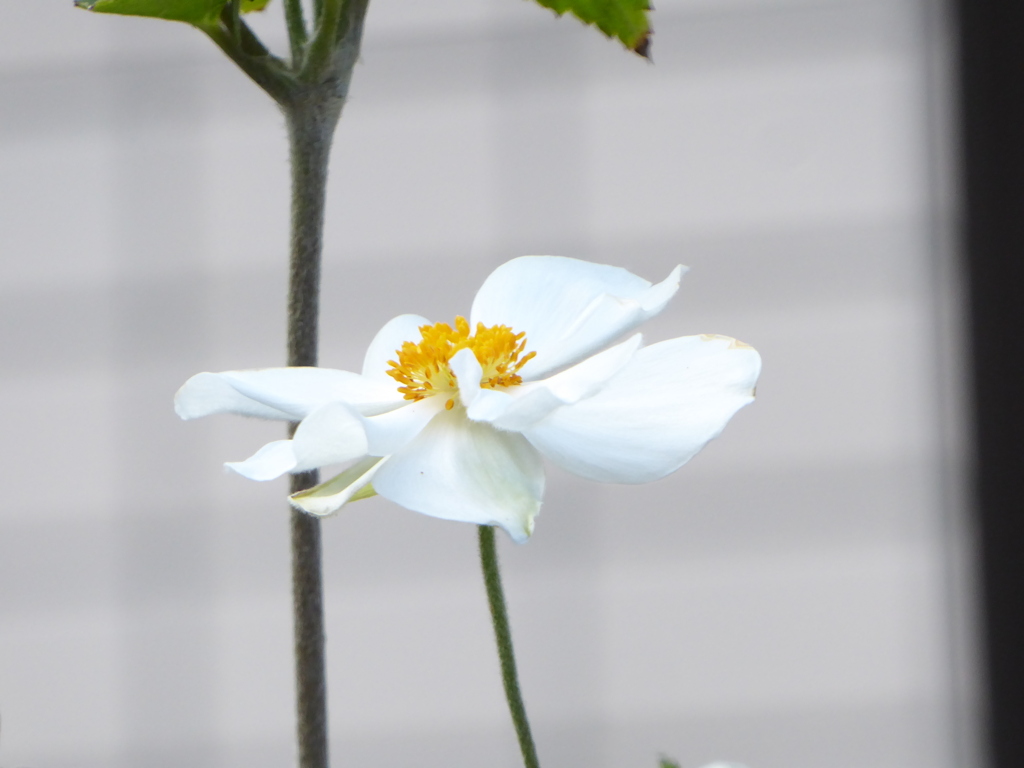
point(422, 369)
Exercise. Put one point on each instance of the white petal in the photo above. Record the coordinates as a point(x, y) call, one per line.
point(567, 308)
point(332, 434)
point(457, 469)
point(489, 405)
point(468, 373)
point(269, 462)
point(665, 405)
point(481, 404)
point(587, 378)
point(208, 393)
point(391, 431)
point(386, 344)
point(519, 408)
point(351, 485)
point(281, 393)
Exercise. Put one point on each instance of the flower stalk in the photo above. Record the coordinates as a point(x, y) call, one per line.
point(624, 414)
point(503, 637)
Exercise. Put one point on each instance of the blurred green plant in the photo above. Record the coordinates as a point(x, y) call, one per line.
point(198, 12)
point(624, 20)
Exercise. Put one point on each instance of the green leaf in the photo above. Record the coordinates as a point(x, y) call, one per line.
point(667, 762)
point(198, 12)
point(248, 6)
point(623, 19)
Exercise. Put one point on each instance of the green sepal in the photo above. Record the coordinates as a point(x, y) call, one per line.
point(366, 492)
point(667, 762)
point(352, 484)
point(248, 6)
point(198, 12)
point(625, 20)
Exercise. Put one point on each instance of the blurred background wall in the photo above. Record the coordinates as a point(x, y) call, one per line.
point(794, 598)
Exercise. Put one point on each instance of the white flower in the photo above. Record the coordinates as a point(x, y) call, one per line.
point(452, 422)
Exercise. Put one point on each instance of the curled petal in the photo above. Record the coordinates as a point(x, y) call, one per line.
point(209, 393)
point(522, 407)
point(567, 308)
point(268, 463)
point(654, 416)
point(332, 434)
point(457, 469)
point(281, 393)
point(386, 344)
point(351, 485)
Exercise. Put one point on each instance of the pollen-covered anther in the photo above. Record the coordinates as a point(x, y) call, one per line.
point(422, 369)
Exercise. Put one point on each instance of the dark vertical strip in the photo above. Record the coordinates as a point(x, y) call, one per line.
point(311, 128)
point(992, 125)
point(312, 113)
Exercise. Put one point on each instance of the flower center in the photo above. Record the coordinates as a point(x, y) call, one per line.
point(422, 369)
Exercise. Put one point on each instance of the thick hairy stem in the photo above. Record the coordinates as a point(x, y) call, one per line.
point(310, 128)
point(312, 107)
point(503, 636)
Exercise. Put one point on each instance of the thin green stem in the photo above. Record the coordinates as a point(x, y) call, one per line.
point(234, 17)
point(308, 609)
point(254, 47)
point(325, 37)
point(267, 71)
point(296, 31)
point(503, 637)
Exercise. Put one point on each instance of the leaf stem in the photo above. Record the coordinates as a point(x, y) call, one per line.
point(267, 71)
point(325, 36)
point(234, 18)
point(296, 31)
point(503, 637)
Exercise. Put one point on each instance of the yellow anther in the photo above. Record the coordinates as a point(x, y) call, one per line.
point(422, 369)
